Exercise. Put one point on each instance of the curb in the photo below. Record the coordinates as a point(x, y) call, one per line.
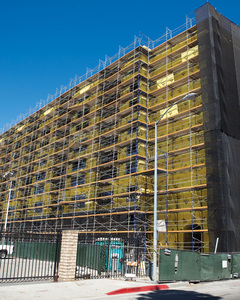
point(156, 287)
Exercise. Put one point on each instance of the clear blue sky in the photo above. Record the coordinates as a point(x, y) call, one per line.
point(45, 43)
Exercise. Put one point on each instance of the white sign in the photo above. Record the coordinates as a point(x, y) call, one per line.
point(161, 226)
point(224, 264)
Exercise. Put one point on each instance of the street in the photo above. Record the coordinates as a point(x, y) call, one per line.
point(221, 290)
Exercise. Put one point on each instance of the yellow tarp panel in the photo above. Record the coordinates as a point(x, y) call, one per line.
point(48, 111)
point(83, 90)
point(189, 53)
point(165, 80)
point(20, 128)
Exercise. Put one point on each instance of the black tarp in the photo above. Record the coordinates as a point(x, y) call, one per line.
point(219, 59)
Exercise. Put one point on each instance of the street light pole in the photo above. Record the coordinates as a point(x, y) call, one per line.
point(190, 96)
point(7, 176)
point(6, 218)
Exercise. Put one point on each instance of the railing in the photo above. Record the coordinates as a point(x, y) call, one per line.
point(26, 256)
point(114, 257)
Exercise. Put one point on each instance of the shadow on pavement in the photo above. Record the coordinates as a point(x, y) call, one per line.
point(176, 295)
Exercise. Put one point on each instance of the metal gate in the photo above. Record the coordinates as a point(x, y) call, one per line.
point(27, 256)
point(105, 256)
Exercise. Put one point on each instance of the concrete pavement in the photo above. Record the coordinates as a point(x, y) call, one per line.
point(97, 289)
point(81, 289)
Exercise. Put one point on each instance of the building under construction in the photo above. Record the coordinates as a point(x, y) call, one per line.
point(85, 159)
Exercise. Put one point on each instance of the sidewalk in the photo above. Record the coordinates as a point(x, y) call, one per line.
point(82, 289)
point(98, 289)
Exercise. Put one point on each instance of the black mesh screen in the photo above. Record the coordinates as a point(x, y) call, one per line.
point(219, 58)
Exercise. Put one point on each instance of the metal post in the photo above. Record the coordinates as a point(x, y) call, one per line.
point(155, 209)
point(57, 256)
point(6, 218)
point(7, 175)
point(216, 246)
point(190, 96)
point(167, 200)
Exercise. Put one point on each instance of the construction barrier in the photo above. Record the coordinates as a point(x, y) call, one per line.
point(193, 266)
point(236, 265)
point(92, 256)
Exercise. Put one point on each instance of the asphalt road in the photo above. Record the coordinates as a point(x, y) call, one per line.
point(221, 290)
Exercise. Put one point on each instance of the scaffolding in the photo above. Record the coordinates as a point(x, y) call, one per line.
point(81, 160)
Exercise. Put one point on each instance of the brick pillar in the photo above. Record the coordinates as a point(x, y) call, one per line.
point(67, 265)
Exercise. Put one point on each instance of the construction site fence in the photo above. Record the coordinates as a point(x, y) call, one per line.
point(177, 265)
point(109, 256)
point(28, 256)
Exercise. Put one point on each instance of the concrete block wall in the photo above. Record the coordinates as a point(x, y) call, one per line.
point(67, 265)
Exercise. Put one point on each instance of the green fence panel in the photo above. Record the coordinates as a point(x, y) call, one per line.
point(193, 266)
point(206, 267)
point(189, 265)
point(92, 256)
point(225, 266)
point(178, 265)
point(23, 250)
point(211, 267)
point(236, 265)
point(167, 266)
point(37, 250)
point(215, 267)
